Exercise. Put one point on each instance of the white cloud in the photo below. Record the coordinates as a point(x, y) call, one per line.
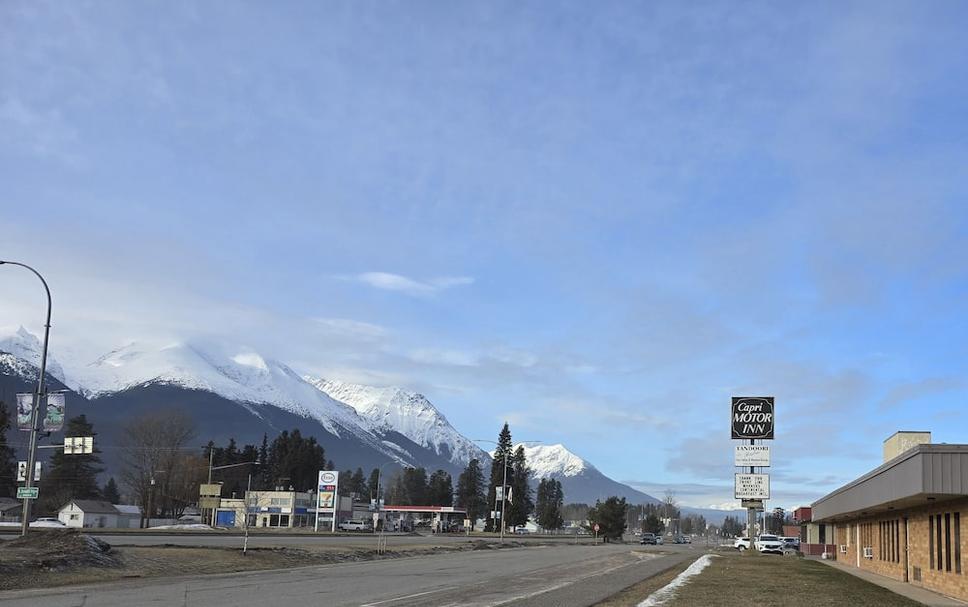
point(345, 327)
point(410, 286)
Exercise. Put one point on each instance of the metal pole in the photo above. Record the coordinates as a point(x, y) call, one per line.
point(504, 492)
point(751, 512)
point(32, 456)
point(245, 542)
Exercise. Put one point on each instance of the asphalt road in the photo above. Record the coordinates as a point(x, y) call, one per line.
point(306, 540)
point(539, 576)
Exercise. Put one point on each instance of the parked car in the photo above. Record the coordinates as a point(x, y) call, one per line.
point(648, 538)
point(659, 541)
point(791, 542)
point(742, 543)
point(521, 531)
point(769, 543)
point(356, 525)
point(679, 539)
point(46, 521)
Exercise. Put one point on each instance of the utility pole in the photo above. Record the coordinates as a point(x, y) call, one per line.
point(504, 492)
point(35, 410)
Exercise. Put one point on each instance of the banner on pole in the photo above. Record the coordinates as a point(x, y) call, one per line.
point(54, 420)
point(25, 407)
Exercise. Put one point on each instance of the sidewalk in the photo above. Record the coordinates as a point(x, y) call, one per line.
point(915, 593)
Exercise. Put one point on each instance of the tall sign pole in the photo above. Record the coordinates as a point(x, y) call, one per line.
point(752, 418)
point(39, 394)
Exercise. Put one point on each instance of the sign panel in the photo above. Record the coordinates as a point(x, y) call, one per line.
point(54, 419)
point(498, 493)
point(751, 417)
point(209, 503)
point(78, 445)
point(752, 486)
point(751, 455)
point(328, 483)
point(25, 406)
point(22, 471)
point(210, 489)
point(754, 504)
point(27, 493)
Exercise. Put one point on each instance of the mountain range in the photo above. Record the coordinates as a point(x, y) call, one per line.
point(233, 392)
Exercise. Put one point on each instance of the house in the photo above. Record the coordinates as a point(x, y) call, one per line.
point(10, 509)
point(89, 513)
point(129, 517)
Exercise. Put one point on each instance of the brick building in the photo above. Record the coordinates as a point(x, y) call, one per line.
point(903, 519)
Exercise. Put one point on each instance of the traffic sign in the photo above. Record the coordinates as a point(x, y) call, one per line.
point(21, 471)
point(28, 493)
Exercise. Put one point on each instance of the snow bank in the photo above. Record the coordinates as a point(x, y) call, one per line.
point(196, 526)
point(668, 592)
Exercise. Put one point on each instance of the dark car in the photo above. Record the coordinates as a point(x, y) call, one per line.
point(648, 538)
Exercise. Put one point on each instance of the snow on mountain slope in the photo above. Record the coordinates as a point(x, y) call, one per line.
point(24, 345)
point(553, 461)
point(412, 415)
point(243, 377)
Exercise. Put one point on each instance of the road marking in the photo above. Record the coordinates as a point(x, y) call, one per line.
point(409, 596)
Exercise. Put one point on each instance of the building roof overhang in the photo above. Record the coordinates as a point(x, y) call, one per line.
point(920, 476)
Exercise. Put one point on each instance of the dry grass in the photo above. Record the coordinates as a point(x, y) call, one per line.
point(766, 580)
point(170, 561)
point(634, 594)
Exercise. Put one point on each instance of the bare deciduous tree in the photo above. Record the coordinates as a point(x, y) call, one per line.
point(154, 447)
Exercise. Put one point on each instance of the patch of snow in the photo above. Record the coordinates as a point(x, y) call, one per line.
point(393, 409)
point(668, 592)
point(197, 526)
point(546, 461)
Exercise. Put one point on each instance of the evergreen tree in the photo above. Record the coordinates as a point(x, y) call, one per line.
point(610, 517)
point(441, 489)
point(295, 461)
point(346, 482)
point(8, 462)
point(372, 484)
point(265, 472)
point(359, 484)
point(522, 502)
point(549, 503)
point(500, 465)
point(652, 524)
point(470, 491)
point(71, 476)
point(415, 482)
point(110, 492)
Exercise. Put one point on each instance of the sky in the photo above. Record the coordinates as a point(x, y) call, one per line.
point(595, 221)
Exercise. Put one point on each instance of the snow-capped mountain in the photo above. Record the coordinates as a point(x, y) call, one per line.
point(242, 376)
point(24, 345)
point(580, 480)
point(553, 461)
point(410, 414)
point(236, 393)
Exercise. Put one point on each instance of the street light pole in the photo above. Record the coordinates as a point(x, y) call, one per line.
point(32, 454)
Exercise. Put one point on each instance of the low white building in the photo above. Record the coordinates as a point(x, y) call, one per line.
point(89, 513)
point(129, 517)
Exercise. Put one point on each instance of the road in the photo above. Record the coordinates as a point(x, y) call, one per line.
point(539, 576)
point(303, 540)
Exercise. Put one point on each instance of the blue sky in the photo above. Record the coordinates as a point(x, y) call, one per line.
point(597, 222)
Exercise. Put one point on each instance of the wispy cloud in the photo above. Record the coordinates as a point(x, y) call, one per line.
point(410, 286)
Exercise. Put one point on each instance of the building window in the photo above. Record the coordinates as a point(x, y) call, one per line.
point(939, 542)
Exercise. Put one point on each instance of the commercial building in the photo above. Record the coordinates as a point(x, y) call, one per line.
point(903, 519)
